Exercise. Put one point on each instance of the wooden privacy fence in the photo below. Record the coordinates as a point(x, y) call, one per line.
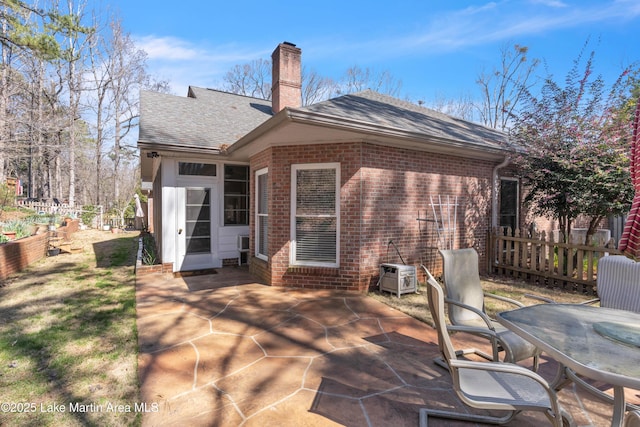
point(541, 259)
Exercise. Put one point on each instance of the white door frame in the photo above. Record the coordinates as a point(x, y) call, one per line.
point(196, 261)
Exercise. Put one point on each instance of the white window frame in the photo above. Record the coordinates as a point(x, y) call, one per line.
point(293, 251)
point(258, 174)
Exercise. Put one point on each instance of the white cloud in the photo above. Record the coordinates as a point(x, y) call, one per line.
point(167, 48)
point(185, 63)
point(550, 3)
point(472, 10)
point(503, 21)
point(204, 64)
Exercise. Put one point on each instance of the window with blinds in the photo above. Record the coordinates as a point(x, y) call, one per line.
point(262, 214)
point(315, 214)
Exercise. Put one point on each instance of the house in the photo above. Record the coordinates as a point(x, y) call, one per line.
point(321, 195)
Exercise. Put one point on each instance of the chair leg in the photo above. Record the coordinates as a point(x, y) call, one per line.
point(425, 413)
point(594, 391)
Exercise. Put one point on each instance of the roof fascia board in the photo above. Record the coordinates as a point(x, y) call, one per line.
point(176, 148)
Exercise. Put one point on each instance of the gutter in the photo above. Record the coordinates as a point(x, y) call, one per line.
point(494, 191)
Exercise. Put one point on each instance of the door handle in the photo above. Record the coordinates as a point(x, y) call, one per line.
point(179, 230)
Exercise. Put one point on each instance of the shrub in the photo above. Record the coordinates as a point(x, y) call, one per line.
point(149, 256)
point(89, 212)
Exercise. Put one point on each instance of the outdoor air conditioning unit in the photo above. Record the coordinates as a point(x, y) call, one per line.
point(243, 243)
point(243, 249)
point(398, 278)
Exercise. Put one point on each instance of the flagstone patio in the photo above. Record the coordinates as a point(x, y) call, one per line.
point(224, 350)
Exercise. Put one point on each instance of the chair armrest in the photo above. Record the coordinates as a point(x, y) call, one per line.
point(510, 368)
point(480, 313)
point(504, 299)
point(489, 334)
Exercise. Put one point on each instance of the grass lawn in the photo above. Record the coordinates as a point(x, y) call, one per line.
point(68, 339)
point(416, 304)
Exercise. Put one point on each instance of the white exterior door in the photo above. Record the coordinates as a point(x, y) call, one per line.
point(196, 228)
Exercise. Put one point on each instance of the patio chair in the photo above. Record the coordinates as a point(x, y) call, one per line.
point(488, 385)
point(618, 286)
point(465, 302)
point(618, 283)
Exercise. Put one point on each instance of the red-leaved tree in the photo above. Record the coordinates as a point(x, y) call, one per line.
point(571, 144)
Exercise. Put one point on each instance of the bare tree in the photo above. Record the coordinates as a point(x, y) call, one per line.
point(316, 88)
point(48, 136)
point(250, 79)
point(357, 79)
point(254, 79)
point(463, 107)
point(504, 88)
point(75, 42)
point(101, 81)
point(126, 67)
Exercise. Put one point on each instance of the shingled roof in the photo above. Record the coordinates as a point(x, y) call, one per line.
point(206, 118)
point(395, 114)
point(209, 118)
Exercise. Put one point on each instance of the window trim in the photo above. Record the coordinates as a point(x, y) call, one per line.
point(293, 249)
point(258, 215)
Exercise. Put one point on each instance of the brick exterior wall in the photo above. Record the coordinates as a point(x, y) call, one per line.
point(383, 191)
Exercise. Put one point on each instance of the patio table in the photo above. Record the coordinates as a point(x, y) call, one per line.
point(595, 342)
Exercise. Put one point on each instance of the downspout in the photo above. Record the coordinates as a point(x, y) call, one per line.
point(495, 191)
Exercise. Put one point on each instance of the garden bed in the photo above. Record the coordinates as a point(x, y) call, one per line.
point(16, 255)
point(147, 260)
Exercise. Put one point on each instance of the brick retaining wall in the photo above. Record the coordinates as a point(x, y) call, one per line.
point(16, 255)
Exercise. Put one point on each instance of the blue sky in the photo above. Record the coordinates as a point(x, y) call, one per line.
point(436, 48)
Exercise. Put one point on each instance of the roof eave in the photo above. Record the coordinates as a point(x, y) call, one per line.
point(275, 121)
point(402, 138)
point(144, 145)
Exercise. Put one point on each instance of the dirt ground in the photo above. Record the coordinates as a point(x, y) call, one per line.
point(11, 214)
point(95, 244)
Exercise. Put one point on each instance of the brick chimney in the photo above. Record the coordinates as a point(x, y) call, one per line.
point(286, 85)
